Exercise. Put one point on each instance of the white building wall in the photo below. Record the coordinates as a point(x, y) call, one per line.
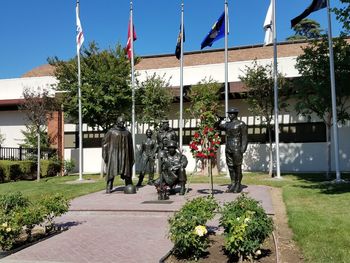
point(11, 124)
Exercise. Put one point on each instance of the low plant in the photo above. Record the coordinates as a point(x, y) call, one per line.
point(188, 229)
point(246, 226)
point(69, 166)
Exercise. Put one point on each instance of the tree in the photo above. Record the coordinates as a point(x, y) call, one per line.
point(260, 96)
point(38, 106)
point(105, 85)
point(306, 29)
point(205, 106)
point(313, 90)
point(155, 97)
point(343, 15)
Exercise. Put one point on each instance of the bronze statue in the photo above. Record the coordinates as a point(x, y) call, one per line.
point(236, 145)
point(148, 152)
point(173, 172)
point(165, 132)
point(118, 154)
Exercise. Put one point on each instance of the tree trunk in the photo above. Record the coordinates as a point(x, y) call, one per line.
point(269, 131)
point(38, 157)
point(210, 171)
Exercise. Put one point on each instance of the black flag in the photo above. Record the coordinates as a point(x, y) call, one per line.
point(315, 5)
point(178, 44)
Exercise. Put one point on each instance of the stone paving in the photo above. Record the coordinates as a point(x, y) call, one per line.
point(121, 228)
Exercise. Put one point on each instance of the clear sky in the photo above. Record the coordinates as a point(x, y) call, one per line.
point(31, 31)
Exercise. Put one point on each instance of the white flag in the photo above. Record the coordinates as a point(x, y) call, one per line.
point(80, 35)
point(268, 26)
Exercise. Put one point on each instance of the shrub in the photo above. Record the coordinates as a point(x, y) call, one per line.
point(30, 217)
point(69, 166)
point(28, 169)
point(187, 227)
point(53, 206)
point(10, 170)
point(50, 168)
point(12, 202)
point(9, 231)
point(246, 226)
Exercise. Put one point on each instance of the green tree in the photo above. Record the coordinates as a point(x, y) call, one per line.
point(306, 29)
point(205, 98)
point(38, 106)
point(343, 15)
point(105, 85)
point(155, 97)
point(259, 81)
point(313, 89)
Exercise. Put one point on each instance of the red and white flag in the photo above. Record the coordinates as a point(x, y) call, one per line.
point(80, 35)
point(128, 48)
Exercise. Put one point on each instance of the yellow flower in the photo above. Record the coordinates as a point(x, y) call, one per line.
point(4, 224)
point(246, 220)
point(8, 229)
point(200, 230)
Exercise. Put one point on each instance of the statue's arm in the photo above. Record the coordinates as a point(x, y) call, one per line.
point(220, 123)
point(244, 131)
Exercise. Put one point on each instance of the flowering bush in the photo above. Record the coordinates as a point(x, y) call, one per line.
point(187, 227)
point(246, 226)
point(205, 143)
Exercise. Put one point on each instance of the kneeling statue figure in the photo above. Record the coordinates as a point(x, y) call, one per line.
point(172, 172)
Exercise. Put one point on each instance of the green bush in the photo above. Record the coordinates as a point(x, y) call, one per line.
point(69, 166)
point(10, 170)
point(53, 206)
point(246, 226)
point(187, 227)
point(18, 215)
point(28, 169)
point(49, 168)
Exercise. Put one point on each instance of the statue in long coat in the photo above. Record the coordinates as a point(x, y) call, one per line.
point(118, 154)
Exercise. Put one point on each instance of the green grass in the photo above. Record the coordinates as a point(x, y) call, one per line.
point(318, 211)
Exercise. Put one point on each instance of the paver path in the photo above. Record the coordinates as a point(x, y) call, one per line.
point(120, 228)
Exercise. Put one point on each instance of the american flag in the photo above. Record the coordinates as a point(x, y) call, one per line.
point(80, 35)
point(128, 43)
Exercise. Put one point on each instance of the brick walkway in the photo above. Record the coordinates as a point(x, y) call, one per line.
point(120, 228)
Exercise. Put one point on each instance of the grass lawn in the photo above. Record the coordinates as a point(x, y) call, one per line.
point(318, 211)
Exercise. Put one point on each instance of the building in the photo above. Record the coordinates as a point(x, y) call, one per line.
point(302, 140)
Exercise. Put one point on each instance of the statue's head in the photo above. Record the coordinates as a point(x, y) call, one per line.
point(232, 113)
point(172, 146)
point(149, 133)
point(121, 122)
point(165, 125)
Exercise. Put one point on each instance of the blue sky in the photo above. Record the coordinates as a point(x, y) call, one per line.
point(32, 31)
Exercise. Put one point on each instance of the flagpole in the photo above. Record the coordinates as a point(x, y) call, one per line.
point(226, 60)
point(278, 172)
point(181, 77)
point(334, 106)
point(80, 115)
point(132, 82)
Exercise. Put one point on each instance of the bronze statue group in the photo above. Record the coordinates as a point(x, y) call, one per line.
point(118, 156)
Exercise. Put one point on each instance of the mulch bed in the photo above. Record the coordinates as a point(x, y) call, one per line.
point(216, 253)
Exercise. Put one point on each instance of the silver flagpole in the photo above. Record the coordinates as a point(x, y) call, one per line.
point(181, 76)
point(277, 139)
point(132, 83)
point(226, 59)
point(334, 106)
point(80, 117)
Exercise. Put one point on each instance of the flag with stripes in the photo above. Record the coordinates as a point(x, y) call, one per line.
point(80, 35)
point(128, 48)
point(268, 26)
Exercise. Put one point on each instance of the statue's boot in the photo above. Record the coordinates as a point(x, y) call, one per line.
point(109, 187)
point(128, 181)
point(183, 188)
point(150, 179)
point(238, 187)
point(141, 176)
point(232, 186)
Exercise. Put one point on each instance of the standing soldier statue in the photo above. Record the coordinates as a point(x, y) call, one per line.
point(118, 155)
point(148, 152)
point(236, 145)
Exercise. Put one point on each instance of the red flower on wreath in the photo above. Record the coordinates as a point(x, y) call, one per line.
point(205, 143)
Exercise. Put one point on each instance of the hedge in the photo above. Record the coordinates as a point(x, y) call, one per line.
point(26, 170)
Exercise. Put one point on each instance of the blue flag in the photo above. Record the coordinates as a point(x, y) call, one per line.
point(217, 31)
point(315, 5)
